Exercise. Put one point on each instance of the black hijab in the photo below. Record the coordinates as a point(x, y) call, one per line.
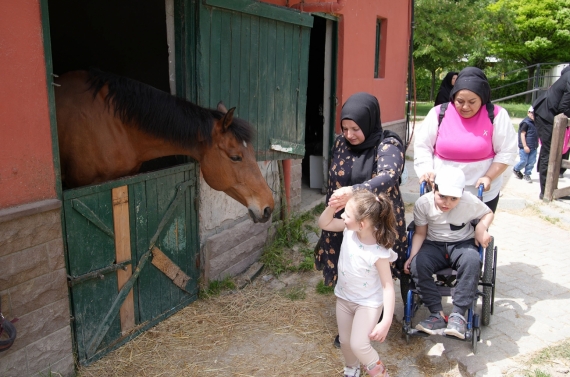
point(473, 79)
point(445, 89)
point(364, 110)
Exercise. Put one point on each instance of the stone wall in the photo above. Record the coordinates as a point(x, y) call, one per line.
point(33, 288)
point(397, 126)
point(233, 250)
point(296, 174)
point(230, 241)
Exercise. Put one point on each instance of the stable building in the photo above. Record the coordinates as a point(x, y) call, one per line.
point(287, 67)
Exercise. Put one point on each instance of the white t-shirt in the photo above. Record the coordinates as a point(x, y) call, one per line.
point(358, 278)
point(451, 226)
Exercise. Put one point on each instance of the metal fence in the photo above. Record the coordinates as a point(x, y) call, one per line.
point(545, 74)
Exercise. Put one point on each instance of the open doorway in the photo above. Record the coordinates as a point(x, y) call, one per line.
point(128, 38)
point(320, 108)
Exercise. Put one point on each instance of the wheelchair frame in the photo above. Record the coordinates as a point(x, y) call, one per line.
point(486, 280)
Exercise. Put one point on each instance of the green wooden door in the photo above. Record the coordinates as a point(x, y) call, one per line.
point(254, 56)
point(93, 266)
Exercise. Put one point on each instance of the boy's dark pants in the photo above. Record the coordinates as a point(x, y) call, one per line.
point(433, 256)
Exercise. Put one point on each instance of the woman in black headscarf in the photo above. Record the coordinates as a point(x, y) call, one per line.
point(444, 92)
point(364, 157)
point(472, 136)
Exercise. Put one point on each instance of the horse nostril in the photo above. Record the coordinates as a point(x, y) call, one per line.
point(267, 212)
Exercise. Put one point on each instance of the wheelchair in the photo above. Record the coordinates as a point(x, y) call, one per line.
point(445, 281)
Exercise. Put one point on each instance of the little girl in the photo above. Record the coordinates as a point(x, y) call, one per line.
point(364, 283)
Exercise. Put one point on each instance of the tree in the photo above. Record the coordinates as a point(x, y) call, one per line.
point(445, 32)
point(530, 32)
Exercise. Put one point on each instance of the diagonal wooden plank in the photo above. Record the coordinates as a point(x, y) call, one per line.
point(86, 212)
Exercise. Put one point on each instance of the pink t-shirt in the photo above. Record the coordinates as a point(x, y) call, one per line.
point(465, 140)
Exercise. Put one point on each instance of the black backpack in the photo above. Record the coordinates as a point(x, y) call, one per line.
point(490, 112)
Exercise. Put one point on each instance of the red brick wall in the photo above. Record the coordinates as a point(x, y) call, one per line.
point(356, 53)
point(26, 160)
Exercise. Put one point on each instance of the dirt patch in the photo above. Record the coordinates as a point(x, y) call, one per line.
point(259, 331)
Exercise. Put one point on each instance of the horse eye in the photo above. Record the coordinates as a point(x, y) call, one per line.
point(235, 158)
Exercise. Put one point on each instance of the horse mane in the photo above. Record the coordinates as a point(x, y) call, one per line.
point(162, 114)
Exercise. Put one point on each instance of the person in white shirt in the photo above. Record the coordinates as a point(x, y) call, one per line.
point(365, 284)
point(446, 237)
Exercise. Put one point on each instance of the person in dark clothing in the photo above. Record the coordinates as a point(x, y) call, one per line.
point(364, 157)
point(528, 145)
point(556, 100)
point(445, 88)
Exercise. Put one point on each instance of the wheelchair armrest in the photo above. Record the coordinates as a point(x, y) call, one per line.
point(411, 226)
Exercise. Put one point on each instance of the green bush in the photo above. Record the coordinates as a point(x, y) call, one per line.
point(501, 86)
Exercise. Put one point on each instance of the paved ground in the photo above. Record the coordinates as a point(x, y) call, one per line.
point(533, 287)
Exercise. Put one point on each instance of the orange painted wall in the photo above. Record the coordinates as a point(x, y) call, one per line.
point(26, 159)
point(357, 39)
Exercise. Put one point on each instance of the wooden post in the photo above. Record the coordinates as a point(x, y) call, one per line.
point(551, 190)
point(123, 253)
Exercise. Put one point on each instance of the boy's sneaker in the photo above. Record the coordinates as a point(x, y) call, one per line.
point(352, 371)
point(456, 326)
point(517, 174)
point(432, 323)
point(527, 178)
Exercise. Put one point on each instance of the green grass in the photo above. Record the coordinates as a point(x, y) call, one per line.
point(537, 373)
point(290, 232)
point(552, 220)
point(515, 110)
point(324, 289)
point(561, 351)
point(217, 286)
point(295, 293)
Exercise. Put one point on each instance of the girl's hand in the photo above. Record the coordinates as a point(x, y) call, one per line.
point(486, 181)
point(340, 197)
point(428, 177)
point(380, 331)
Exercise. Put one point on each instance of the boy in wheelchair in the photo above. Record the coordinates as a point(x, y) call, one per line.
point(447, 235)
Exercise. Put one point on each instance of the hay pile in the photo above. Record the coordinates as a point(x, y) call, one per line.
point(256, 331)
point(272, 327)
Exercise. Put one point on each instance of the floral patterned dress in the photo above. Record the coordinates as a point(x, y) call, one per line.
point(389, 164)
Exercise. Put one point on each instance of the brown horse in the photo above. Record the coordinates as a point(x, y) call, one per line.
point(109, 125)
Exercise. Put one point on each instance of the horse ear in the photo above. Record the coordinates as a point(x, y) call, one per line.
point(228, 119)
point(222, 107)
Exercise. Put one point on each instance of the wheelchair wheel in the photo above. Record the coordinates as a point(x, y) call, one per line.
point(488, 278)
point(475, 339)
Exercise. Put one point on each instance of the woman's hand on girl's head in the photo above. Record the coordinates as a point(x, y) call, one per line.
point(340, 197)
point(485, 181)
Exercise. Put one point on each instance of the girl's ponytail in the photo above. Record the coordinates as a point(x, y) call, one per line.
point(380, 211)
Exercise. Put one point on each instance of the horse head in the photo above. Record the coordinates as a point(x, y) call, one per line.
point(229, 165)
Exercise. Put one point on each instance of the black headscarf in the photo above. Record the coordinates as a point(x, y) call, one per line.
point(445, 89)
point(364, 110)
point(473, 79)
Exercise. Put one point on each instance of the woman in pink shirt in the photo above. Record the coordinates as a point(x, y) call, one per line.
point(467, 138)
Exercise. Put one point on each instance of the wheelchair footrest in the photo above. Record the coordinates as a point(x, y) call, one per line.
point(418, 333)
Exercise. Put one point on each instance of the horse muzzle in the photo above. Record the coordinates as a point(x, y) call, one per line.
point(257, 217)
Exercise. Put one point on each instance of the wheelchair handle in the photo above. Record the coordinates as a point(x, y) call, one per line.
point(423, 185)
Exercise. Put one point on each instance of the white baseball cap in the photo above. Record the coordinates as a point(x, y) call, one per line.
point(531, 109)
point(450, 181)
